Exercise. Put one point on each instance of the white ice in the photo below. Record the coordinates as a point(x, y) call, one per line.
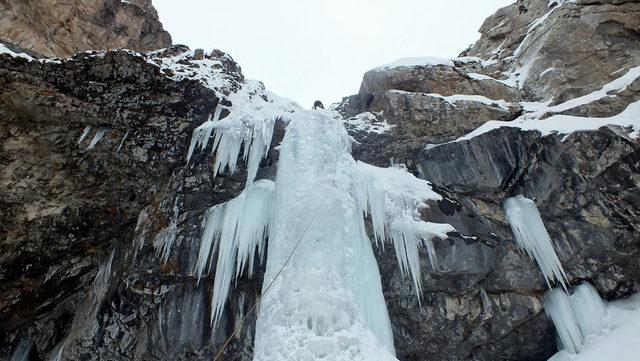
point(97, 137)
point(531, 235)
point(326, 302)
point(166, 237)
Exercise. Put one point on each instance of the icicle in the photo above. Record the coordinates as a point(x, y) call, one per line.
point(56, 354)
point(166, 237)
point(248, 126)
point(558, 307)
point(97, 137)
point(589, 310)
point(393, 198)
point(212, 225)
point(531, 235)
point(123, 139)
point(237, 230)
point(22, 351)
point(85, 132)
point(579, 317)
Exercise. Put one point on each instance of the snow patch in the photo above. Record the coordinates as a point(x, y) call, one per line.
point(369, 123)
point(5, 50)
point(453, 99)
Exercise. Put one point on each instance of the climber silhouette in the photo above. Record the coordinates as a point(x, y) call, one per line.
point(317, 104)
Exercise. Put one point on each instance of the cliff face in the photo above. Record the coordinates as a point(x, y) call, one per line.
point(93, 165)
point(60, 28)
point(96, 264)
point(561, 64)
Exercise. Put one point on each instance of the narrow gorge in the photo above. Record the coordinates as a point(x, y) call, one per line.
point(157, 205)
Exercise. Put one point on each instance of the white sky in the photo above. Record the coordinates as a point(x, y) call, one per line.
point(306, 50)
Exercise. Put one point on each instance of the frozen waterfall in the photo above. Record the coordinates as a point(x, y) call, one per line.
point(322, 295)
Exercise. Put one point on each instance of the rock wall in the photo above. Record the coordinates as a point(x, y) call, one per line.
point(483, 300)
point(80, 265)
point(60, 28)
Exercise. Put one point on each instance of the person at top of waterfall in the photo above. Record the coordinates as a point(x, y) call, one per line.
point(317, 104)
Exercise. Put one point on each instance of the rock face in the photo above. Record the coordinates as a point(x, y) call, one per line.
point(97, 264)
point(57, 28)
point(483, 299)
point(81, 212)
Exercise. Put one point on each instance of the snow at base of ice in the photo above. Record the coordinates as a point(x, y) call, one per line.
point(416, 62)
point(531, 235)
point(593, 330)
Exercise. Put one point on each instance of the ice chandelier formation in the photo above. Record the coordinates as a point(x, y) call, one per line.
point(325, 299)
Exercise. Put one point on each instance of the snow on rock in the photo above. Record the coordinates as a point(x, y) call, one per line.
point(209, 72)
point(5, 50)
point(531, 235)
point(452, 99)
point(369, 123)
point(566, 124)
point(416, 62)
point(617, 85)
point(535, 113)
point(591, 329)
point(478, 76)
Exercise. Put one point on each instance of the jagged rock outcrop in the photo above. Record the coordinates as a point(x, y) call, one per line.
point(563, 49)
point(56, 28)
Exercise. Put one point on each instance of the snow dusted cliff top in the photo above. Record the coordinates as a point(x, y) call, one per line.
point(414, 62)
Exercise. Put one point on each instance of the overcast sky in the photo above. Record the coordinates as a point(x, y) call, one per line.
point(306, 50)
